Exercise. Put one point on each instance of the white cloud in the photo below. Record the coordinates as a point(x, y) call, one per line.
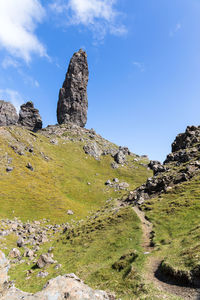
point(9, 62)
point(12, 96)
point(139, 65)
point(175, 30)
point(99, 16)
point(18, 21)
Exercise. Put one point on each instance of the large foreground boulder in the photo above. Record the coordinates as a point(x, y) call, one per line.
point(62, 287)
point(73, 102)
point(29, 117)
point(8, 114)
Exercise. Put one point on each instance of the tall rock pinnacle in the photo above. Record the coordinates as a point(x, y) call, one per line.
point(73, 103)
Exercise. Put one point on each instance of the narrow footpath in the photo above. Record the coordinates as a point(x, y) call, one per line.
point(153, 274)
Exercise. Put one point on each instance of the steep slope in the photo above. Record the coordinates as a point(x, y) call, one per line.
point(170, 201)
point(70, 175)
point(50, 173)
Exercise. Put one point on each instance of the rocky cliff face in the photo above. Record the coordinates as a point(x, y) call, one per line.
point(29, 117)
point(73, 103)
point(8, 114)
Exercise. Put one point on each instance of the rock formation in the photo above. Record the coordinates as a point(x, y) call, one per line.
point(185, 148)
point(8, 114)
point(73, 103)
point(29, 117)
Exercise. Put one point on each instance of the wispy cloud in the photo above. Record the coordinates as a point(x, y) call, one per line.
point(12, 96)
point(99, 16)
point(18, 21)
point(175, 29)
point(27, 79)
point(139, 66)
point(9, 62)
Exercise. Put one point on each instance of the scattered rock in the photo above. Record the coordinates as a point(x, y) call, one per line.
point(14, 253)
point(70, 212)
point(114, 165)
point(20, 242)
point(58, 266)
point(54, 141)
point(120, 157)
point(8, 114)
point(9, 169)
point(28, 253)
point(73, 103)
point(93, 150)
point(116, 180)
point(29, 117)
point(42, 274)
point(123, 185)
point(108, 182)
point(117, 185)
point(29, 166)
point(44, 259)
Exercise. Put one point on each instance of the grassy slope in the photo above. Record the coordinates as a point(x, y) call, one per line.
point(176, 219)
point(60, 183)
point(90, 253)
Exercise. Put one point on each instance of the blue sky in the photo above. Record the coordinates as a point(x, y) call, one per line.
point(144, 62)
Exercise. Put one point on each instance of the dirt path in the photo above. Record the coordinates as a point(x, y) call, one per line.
point(153, 273)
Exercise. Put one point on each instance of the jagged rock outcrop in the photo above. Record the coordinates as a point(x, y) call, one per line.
point(29, 117)
point(8, 114)
point(68, 286)
point(185, 149)
point(73, 103)
point(156, 167)
point(187, 139)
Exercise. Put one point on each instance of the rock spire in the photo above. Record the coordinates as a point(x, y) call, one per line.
point(29, 117)
point(73, 102)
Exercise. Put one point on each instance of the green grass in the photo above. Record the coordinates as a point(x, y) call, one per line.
point(176, 218)
point(90, 249)
point(59, 184)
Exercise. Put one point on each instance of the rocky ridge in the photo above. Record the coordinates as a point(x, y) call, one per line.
point(180, 165)
point(94, 144)
point(73, 102)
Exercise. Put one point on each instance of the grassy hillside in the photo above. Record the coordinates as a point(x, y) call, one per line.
point(63, 176)
point(176, 218)
point(90, 249)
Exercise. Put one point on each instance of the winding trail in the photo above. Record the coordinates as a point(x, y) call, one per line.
point(153, 273)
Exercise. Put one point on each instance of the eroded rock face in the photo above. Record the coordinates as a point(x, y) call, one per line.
point(29, 117)
point(8, 114)
point(73, 102)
